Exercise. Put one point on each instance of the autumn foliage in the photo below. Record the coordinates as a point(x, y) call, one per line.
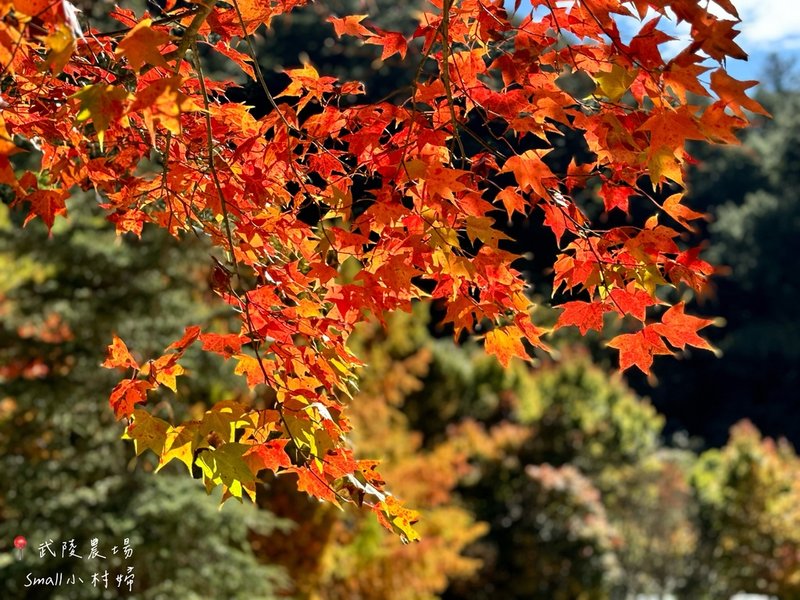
point(406, 194)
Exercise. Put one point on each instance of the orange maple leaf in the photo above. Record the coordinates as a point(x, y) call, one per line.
point(226, 344)
point(616, 196)
point(163, 102)
point(505, 343)
point(682, 214)
point(732, 92)
point(349, 25)
point(631, 301)
point(47, 205)
point(392, 42)
point(638, 349)
point(119, 356)
point(530, 171)
point(190, 334)
point(141, 46)
point(126, 394)
point(512, 201)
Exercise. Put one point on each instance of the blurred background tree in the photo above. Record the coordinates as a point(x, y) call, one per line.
point(66, 474)
point(748, 495)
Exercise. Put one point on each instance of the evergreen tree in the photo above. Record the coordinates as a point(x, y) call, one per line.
point(66, 474)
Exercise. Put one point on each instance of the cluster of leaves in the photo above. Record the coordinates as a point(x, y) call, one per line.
point(405, 192)
point(336, 555)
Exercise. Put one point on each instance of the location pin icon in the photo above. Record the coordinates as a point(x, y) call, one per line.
point(19, 543)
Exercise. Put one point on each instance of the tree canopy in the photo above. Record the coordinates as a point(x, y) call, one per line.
point(332, 207)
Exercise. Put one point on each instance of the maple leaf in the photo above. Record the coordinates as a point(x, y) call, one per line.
point(682, 75)
point(682, 214)
point(269, 455)
point(251, 368)
point(126, 394)
point(444, 181)
point(530, 331)
point(147, 432)
point(680, 329)
point(244, 61)
point(225, 344)
point(715, 37)
point(638, 349)
point(254, 13)
point(179, 443)
point(584, 315)
point(631, 301)
point(719, 126)
point(556, 219)
point(312, 482)
point(393, 516)
point(60, 45)
point(226, 465)
point(732, 93)
point(350, 25)
point(103, 104)
point(165, 370)
point(118, 356)
point(662, 164)
point(31, 8)
point(480, 228)
point(392, 42)
point(141, 46)
point(128, 221)
point(615, 83)
point(505, 343)
point(162, 102)
point(616, 196)
point(690, 269)
point(530, 172)
point(671, 128)
point(47, 205)
point(190, 334)
point(512, 201)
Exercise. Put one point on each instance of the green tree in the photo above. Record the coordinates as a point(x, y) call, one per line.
point(65, 473)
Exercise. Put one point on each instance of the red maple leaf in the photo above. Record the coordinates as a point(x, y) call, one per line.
point(127, 394)
point(269, 455)
point(226, 344)
point(584, 315)
point(680, 329)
